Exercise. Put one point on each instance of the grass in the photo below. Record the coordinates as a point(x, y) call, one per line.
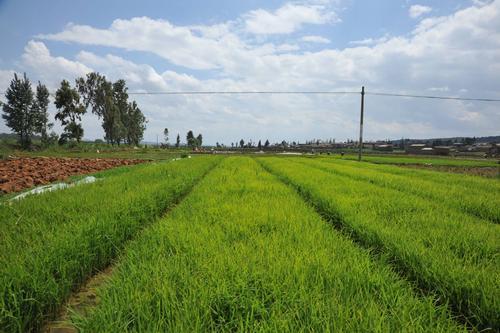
point(478, 200)
point(447, 252)
point(439, 178)
point(434, 160)
point(244, 252)
point(50, 244)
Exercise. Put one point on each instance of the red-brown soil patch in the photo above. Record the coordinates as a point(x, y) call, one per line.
point(17, 174)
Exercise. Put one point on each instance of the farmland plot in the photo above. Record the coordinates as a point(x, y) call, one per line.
point(478, 200)
point(244, 252)
point(450, 253)
point(50, 244)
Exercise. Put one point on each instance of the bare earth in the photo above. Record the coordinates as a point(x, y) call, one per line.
point(17, 174)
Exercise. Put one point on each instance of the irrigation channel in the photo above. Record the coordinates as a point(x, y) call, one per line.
point(247, 244)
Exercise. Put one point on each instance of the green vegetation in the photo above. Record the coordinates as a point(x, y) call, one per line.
point(436, 160)
point(477, 200)
point(444, 251)
point(50, 244)
point(250, 248)
point(440, 178)
point(26, 114)
point(243, 252)
point(93, 150)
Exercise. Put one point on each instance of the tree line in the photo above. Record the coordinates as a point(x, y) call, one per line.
point(191, 140)
point(26, 112)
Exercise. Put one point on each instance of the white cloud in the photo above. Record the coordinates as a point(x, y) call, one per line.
point(418, 10)
point(37, 57)
point(5, 78)
point(315, 39)
point(457, 54)
point(287, 19)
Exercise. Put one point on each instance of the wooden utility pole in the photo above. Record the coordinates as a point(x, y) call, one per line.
point(361, 122)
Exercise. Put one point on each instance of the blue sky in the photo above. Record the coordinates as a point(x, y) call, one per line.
point(439, 47)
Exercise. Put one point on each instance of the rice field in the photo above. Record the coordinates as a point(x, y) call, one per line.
point(258, 244)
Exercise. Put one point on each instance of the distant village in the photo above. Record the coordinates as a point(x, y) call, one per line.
point(458, 146)
point(483, 146)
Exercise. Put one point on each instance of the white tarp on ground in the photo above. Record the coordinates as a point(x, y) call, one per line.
point(54, 187)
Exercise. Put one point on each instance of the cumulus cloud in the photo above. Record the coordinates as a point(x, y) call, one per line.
point(453, 54)
point(287, 19)
point(315, 39)
point(418, 10)
point(37, 57)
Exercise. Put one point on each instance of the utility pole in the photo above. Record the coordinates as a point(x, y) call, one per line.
point(157, 142)
point(361, 122)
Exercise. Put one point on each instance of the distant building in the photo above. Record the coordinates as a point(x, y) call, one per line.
point(416, 148)
point(383, 147)
point(442, 150)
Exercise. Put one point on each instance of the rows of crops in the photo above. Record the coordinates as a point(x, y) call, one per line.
point(244, 252)
point(445, 251)
point(266, 244)
point(481, 199)
point(441, 161)
point(50, 244)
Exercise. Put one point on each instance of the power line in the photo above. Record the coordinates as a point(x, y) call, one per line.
point(271, 92)
point(434, 97)
point(242, 92)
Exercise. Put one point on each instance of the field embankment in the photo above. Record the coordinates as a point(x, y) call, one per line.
point(50, 244)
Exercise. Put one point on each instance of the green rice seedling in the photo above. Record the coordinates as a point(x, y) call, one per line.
point(244, 252)
point(446, 252)
point(50, 244)
point(473, 200)
point(441, 161)
point(445, 178)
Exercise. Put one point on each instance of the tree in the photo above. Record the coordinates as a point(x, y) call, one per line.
point(259, 145)
point(165, 134)
point(136, 124)
point(121, 120)
point(97, 93)
point(69, 111)
point(199, 140)
point(18, 111)
point(40, 112)
point(190, 139)
point(242, 143)
point(178, 141)
point(266, 144)
point(117, 119)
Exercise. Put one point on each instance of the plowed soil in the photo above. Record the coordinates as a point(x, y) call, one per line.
point(21, 173)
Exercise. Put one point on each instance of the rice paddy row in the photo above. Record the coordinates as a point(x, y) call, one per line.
point(477, 200)
point(50, 244)
point(244, 252)
point(452, 254)
point(250, 249)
